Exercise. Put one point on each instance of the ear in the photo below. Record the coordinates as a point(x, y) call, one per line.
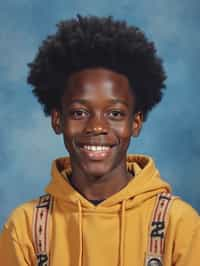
point(137, 124)
point(56, 121)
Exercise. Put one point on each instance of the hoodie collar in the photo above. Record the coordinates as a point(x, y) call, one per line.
point(145, 184)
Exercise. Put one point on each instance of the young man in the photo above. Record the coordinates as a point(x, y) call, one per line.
point(98, 78)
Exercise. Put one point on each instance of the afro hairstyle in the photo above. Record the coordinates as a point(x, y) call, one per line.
point(89, 42)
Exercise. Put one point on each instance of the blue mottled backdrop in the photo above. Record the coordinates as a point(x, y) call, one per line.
point(171, 133)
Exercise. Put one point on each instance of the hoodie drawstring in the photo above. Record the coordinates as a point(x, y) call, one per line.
point(122, 233)
point(80, 221)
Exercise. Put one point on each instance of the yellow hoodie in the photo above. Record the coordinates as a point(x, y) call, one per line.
point(113, 233)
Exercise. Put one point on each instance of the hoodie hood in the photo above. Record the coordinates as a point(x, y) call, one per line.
point(146, 183)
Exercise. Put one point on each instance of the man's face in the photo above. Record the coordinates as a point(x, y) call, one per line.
point(97, 120)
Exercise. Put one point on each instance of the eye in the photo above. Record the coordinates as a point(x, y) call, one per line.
point(116, 114)
point(79, 114)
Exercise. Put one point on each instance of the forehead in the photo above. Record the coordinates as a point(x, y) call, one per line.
point(98, 83)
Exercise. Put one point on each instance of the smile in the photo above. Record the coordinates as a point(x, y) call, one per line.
point(96, 148)
point(96, 152)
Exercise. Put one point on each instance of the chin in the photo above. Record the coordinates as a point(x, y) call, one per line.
point(97, 171)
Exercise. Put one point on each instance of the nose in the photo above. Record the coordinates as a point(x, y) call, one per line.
point(96, 125)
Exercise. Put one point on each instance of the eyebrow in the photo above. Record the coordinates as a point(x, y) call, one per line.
point(118, 101)
point(111, 101)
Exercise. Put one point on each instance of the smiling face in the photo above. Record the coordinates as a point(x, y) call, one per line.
point(97, 120)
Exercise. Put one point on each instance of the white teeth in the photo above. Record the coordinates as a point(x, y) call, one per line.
point(96, 148)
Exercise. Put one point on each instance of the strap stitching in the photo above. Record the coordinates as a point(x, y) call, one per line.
point(41, 224)
point(157, 230)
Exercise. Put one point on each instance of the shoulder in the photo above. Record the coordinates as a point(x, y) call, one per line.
point(183, 218)
point(22, 212)
point(19, 223)
point(182, 210)
point(16, 238)
point(183, 234)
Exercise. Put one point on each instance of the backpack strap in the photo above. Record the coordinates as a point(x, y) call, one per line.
point(42, 229)
point(158, 228)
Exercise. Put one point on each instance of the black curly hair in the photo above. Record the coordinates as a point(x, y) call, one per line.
point(88, 42)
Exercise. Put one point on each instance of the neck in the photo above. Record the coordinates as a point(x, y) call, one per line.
point(101, 187)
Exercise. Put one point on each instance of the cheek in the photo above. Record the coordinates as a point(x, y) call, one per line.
point(71, 130)
point(123, 130)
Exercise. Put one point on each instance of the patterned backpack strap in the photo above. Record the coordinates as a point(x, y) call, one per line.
point(158, 228)
point(42, 229)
